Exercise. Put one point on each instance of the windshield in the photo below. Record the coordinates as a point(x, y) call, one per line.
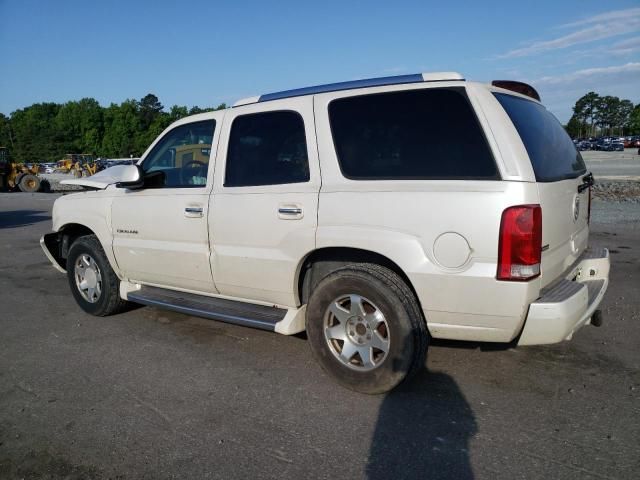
point(553, 154)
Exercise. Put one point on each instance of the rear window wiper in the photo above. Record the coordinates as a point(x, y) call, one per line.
point(587, 181)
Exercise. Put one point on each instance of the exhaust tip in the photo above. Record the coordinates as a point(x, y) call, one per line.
point(596, 318)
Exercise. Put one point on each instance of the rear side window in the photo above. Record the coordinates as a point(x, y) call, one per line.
point(267, 149)
point(417, 134)
point(552, 153)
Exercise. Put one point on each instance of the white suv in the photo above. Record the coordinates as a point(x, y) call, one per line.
point(373, 214)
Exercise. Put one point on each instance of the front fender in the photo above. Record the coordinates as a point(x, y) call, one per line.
point(91, 210)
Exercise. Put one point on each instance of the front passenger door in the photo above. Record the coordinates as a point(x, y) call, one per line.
point(160, 233)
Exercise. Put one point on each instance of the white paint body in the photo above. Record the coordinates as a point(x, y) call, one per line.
point(443, 234)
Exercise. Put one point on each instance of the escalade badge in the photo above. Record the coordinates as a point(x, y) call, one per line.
point(576, 208)
point(131, 232)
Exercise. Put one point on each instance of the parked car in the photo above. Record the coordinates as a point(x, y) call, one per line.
point(351, 211)
point(47, 167)
point(616, 146)
point(602, 145)
point(584, 145)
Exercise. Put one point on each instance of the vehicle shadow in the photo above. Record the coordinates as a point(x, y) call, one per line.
point(21, 218)
point(423, 431)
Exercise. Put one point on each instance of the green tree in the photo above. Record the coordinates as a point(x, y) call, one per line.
point(574, 127)
point(5, 131)
point(47, 131)
point(197, 109)
point(35, 137)
point(177, 112)
point(91, 125)
point(579, 117)
point(623, 115)
point(634, 121)
point(149, 109)
point(121, 124)
point(144, 138)
point(586, 110)
point(80, 126)
point(608, 113)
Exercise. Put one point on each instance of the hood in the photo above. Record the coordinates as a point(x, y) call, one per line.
point(101, 180)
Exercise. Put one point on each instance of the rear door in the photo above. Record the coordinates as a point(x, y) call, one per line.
point(263, 213)
point(560, 173)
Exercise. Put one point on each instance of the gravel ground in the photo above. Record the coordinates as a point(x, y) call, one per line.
point(621, 191)
point(55, 179)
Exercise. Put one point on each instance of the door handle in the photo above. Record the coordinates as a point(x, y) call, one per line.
point(193, 212)
point(290, 212)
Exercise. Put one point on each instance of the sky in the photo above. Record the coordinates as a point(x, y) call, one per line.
point(205, 52)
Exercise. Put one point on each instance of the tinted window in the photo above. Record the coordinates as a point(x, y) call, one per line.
point(267, 149)
point(416, 134)
point(553, 154)
point(181, 157)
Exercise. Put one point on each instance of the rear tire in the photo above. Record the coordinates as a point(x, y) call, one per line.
point(366, 329)
point(93, 282)
point(29, 183)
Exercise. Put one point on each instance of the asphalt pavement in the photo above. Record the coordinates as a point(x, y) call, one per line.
point(613, 165)
point(153, 394)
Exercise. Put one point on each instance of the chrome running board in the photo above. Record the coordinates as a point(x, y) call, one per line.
point(230, 311)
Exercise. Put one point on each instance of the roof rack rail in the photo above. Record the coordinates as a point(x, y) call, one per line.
point(350, 85)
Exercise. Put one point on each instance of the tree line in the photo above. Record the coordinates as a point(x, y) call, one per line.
point(45, 132)
point(595, 115)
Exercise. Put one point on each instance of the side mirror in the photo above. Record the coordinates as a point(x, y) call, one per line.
point(131, 177)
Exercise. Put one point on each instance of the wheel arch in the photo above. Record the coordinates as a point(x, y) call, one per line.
point(318, 263)
point(59, 242)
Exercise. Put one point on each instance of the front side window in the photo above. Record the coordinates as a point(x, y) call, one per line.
point(426, 134)
point(181, 157)
point(267, 148)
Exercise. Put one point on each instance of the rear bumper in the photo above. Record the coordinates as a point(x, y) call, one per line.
point(568, 304)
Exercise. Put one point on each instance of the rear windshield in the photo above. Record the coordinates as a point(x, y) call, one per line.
point(553, 155)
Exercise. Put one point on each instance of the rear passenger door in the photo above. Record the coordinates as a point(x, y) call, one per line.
point(263, 215)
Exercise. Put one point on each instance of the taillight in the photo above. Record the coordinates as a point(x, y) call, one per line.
point(520, 245)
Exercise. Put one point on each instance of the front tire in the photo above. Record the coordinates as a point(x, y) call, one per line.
point(93, 283)
point(366, 329)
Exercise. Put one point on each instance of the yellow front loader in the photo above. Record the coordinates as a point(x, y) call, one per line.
point(80, 164)
point(18, 175)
